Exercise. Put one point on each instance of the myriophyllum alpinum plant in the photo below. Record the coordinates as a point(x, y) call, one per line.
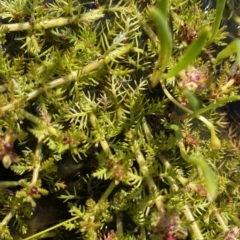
point(113, 120)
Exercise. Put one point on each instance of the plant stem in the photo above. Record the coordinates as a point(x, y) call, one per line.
point(146, 130)
point(57, 22)
point(196, 231)
point(184, 181)
point(103, 142)
point(150, 182)
point(186, 210)
point(8, 184)
point(50, 229)
point(219, 103)
point(151, 34)
point(103, 197)
point(119, 226)
point(212, 106)
point(171, 98)
point(72, 76)
point(218, 19)
point(214, 141)
point(8, 217)
point(38, 154)
point(221, 221)
point(159, 15)
point(39, 122)
point(144, 169)
point(108, 191)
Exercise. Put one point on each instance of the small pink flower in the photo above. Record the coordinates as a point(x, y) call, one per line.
point(193, 79)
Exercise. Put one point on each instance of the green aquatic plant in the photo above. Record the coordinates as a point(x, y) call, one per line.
point(113, 121)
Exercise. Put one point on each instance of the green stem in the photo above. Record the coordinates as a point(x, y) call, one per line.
point(219, 103)
point(159, 15)
point(9, 184)
point(190, 54)
point(185, 182)
point(144, 169)
point(108, 191)
point(57, 22)
point(235, 219)
point(50, 229)
point(103, 197)
point(72, 76)
point(172, 99)
point(103, 142)
point(208, 173)
point(150, 182)
point(119, 227)
point(12, 27)
point(196, 231)
point(39, 122)
point(221, 221)
point(210, 107)
point(218, 19)
point(8, 217)
point(37, 167)
point(187, 212)
point(146, 129)
point(214, 141)
point(143, 233)
point(151, 34)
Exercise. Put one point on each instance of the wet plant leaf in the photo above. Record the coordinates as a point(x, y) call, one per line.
point(190, 54)
point(165, 37)
point(218, 18)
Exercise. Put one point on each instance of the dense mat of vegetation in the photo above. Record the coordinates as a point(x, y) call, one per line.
point(114, 120)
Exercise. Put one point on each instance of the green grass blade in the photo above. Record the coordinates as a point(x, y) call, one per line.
point(208, 173)
point(193, 101)
point(164, 35)
point(190, 54)
point(218, 18)
point(230, 49)
point(162, 6)
point(238, 50)
point(177, 130)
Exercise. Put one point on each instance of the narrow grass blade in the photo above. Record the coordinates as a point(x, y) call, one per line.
point(190, 54)
point(177, 130)
point(230, 49)
point(218, 18)
point(193, 101)
point(164, 35)
point(162, 6)
point(208, 173)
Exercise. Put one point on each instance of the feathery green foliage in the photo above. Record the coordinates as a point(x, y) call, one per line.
point(113, 122)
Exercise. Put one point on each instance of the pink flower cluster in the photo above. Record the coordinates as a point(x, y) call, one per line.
point(193, 79)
